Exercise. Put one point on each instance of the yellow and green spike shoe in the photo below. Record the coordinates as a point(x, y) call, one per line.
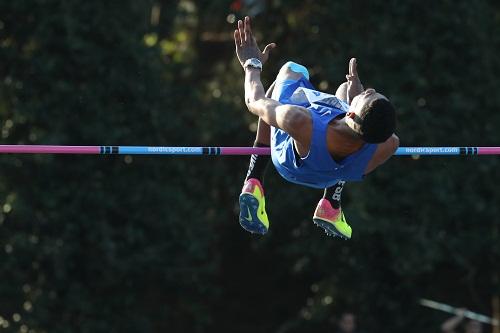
point(253, 216)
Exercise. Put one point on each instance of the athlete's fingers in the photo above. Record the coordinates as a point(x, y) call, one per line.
point(268, 48)
point(353, 67)
point(237, 38)
point(240, 31)
point(248, 30)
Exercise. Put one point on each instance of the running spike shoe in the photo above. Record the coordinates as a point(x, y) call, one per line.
point(331, 220)
point(253, 216)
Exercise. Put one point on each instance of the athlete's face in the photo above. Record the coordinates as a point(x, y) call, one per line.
point(359, 102)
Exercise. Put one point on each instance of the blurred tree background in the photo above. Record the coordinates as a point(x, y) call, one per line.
point(153, 244)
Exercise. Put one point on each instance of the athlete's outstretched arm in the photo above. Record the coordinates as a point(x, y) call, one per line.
point(384, 151)
point(294, 120)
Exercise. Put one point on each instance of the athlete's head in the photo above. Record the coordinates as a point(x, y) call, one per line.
point(372, 116)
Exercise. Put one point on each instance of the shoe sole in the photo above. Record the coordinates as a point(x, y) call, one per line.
point(329, 228)
point(248, 203)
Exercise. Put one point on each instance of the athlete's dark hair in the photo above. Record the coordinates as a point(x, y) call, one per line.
point(378, 121)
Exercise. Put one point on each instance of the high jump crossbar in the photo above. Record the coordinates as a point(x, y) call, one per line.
point(161, 150)
point(456, 311)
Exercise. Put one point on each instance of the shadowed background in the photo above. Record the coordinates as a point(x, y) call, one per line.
point(152, 244)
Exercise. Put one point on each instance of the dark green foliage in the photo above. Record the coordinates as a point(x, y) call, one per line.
point(152, 244)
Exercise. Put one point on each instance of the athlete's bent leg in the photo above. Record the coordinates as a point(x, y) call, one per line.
point(258, 163)
point(253, 216)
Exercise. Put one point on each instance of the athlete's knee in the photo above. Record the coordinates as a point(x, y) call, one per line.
point(341, 92)
point(293, 70)
point(343, 86)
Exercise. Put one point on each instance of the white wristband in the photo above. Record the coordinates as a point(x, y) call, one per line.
point(253, 62)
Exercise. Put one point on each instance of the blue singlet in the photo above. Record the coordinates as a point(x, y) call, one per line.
point(318, 169)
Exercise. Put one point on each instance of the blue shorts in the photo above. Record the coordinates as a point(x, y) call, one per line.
point(281, 141)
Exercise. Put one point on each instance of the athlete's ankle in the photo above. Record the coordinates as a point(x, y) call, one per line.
point(258, 164)
point(333, 194)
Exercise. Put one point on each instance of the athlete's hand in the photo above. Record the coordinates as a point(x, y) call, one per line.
point(354, 86)
point(246, 45)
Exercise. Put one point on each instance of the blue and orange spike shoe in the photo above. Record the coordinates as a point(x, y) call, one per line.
point(253, 216)
point(332, 220)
